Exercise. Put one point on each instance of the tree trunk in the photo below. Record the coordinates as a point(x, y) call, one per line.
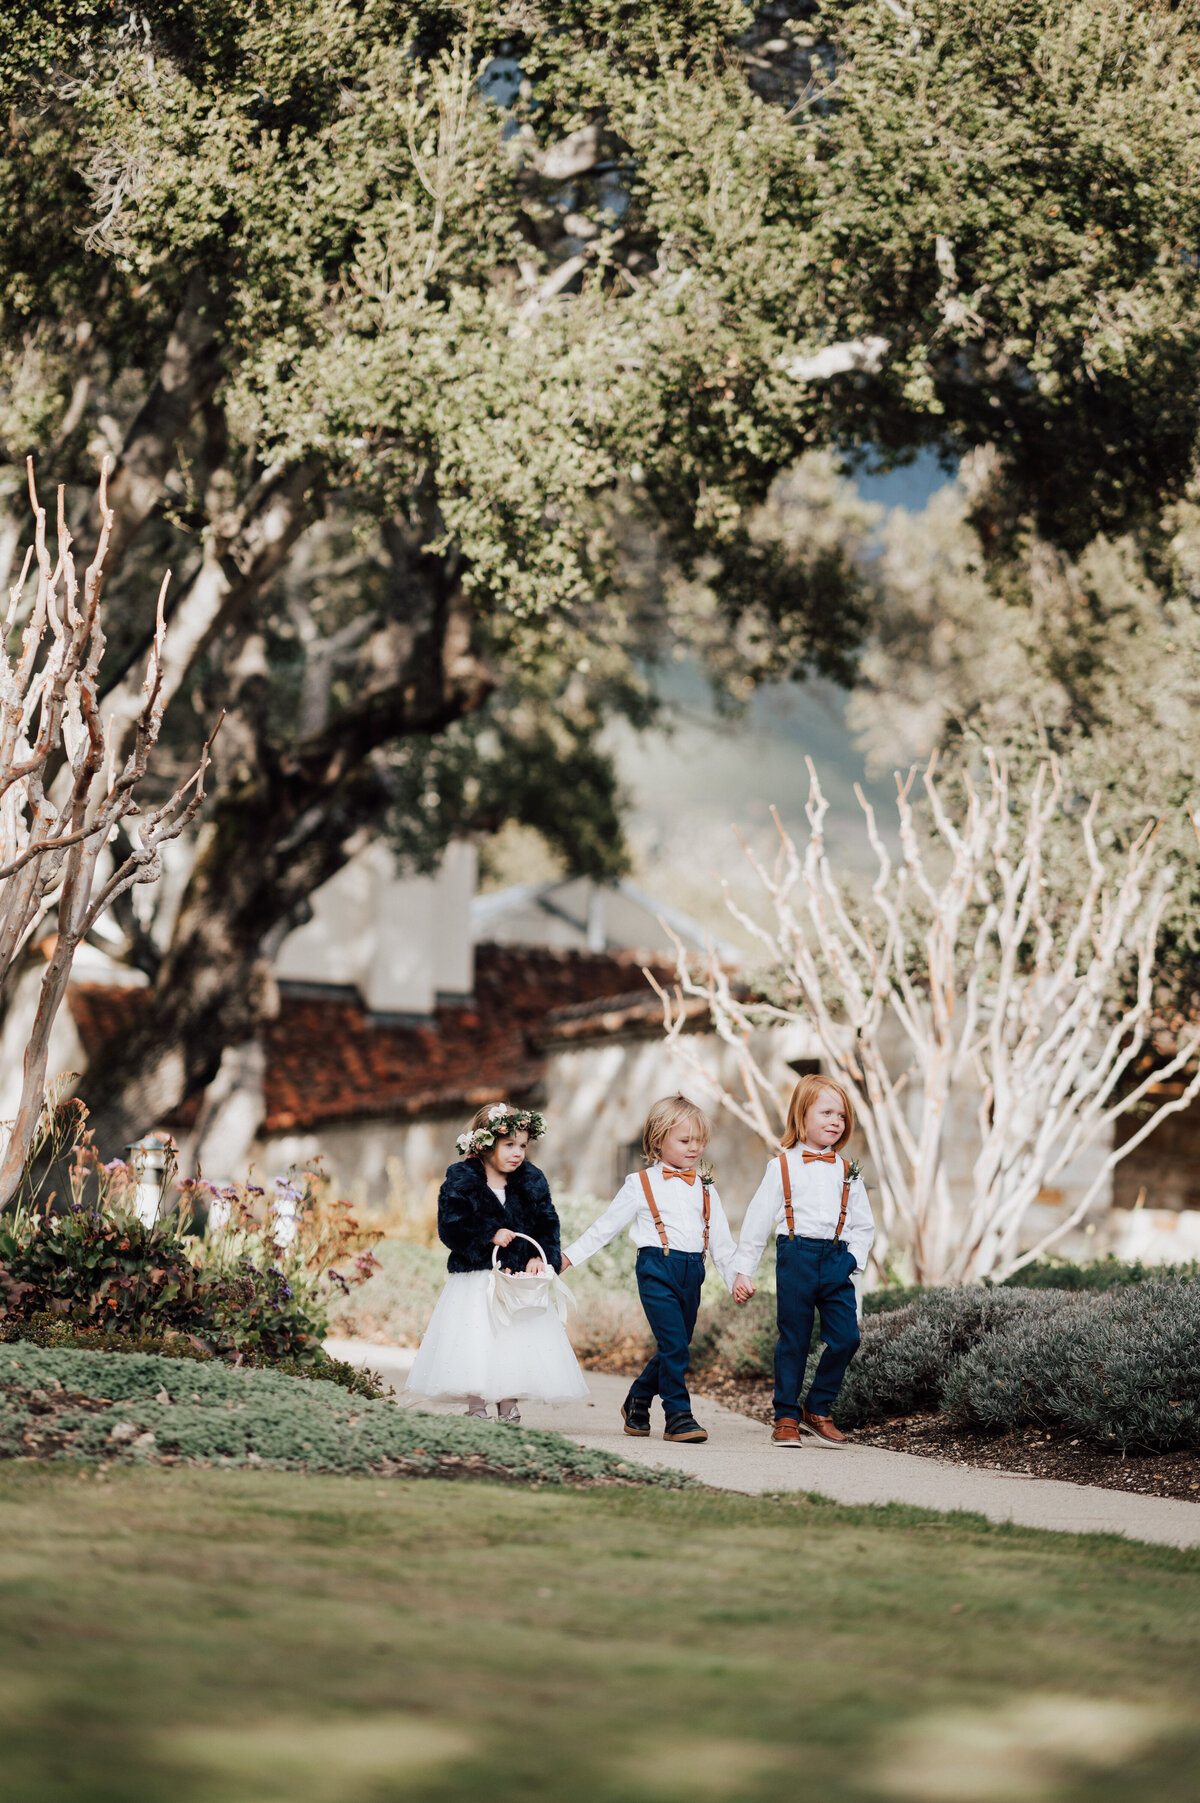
point(234, 572)
point(190, 371)
point(266, 845)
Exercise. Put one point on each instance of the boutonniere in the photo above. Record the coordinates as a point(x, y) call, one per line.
point(706, 1173)
point(853, 1169)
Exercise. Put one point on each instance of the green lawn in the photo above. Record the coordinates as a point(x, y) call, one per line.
point(239, 1637)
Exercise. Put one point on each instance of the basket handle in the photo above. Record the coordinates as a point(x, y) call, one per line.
point(496, 1251)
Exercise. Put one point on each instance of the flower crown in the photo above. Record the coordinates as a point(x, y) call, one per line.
point(502, 1122)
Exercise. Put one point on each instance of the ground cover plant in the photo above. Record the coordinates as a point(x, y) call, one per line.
point(68, 1405)
point(249, 1637)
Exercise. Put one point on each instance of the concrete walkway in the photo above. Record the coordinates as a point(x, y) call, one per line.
point(739, 1456)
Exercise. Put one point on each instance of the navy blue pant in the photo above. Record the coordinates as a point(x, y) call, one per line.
point(812, 1275)
point(669, 1285)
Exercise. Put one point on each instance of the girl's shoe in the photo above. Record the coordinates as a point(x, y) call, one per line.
point(479, 1414)
point(684, 1427)
point(512, 1416)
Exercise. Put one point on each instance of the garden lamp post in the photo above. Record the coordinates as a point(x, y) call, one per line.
point(149, 1159)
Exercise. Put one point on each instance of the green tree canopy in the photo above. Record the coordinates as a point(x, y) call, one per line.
point(402, 320)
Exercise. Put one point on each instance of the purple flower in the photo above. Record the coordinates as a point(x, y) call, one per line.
point(252, 1189)
point(287, 1192)
point(114, 1165)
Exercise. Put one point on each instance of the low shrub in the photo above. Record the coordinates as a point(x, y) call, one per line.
point(906, 1354)
point(733, 1340)
point(393, 1306)
point(67, 1404)
point(105, 1271)
point(255, 1287)
point(1120, 1369)
point(885, 1301)
point(1099, 1274)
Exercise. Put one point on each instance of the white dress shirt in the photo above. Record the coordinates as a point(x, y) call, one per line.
point(681, 1206)
point(816, 1204)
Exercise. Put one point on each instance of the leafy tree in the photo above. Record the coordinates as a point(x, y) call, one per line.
point(392, 313)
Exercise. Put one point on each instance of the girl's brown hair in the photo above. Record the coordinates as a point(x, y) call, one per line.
point(667, 1114)
point(803, 1096)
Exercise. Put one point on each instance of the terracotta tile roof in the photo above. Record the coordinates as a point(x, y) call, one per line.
point(328, 1060)
point(100, 1009)
point(638, 1014)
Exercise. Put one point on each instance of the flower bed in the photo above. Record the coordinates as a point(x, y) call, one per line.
point(255, 1287)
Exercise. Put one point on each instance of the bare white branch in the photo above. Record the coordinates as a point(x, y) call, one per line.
point(976, 971)
point(60, 802)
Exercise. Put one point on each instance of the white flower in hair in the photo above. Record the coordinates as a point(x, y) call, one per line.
point(498, 1112)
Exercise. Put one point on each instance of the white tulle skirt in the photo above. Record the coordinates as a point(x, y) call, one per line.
point(464, 1354)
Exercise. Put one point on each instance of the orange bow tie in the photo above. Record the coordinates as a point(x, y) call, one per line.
point(687, 1176)
point(819, 1157)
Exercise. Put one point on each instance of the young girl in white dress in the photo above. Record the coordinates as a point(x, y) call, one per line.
point(491, 1198)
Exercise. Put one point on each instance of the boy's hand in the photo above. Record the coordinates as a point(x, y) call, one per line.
point(564, 1263)
point(743, 1289)
point(503, 1236)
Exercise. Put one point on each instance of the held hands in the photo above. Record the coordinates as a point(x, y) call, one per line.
point(743, 1289)
point(564, 1264)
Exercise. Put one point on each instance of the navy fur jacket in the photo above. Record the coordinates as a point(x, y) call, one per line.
point(469, 1214)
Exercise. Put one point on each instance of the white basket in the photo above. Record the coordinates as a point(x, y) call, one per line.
point(512, 1294)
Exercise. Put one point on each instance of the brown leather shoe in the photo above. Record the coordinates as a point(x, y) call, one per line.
point(786, 1432)
point(822, 1428)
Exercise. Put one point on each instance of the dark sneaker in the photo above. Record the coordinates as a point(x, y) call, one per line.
point(636, 1415)
point(684, 1427)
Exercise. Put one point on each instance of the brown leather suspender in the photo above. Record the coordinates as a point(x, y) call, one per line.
point(789, 1216)
point(652, 1205)
point(787, 1195)
point(837, 1232)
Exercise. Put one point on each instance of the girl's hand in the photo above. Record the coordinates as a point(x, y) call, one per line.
point(743, 1289)
point(535, 1268)
point(503, 1236)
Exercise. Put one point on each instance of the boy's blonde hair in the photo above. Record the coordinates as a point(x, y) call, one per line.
point(803, 1096)
point(666, 1114)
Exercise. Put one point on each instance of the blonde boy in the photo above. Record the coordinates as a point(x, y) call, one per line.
point(675, 1217)
point(817, 1205)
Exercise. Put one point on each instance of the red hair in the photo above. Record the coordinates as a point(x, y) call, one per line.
point(803, 1097)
